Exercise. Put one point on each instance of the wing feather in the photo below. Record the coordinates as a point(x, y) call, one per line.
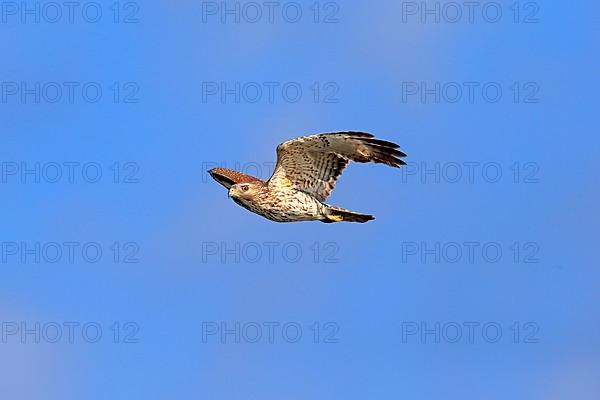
point(228, 177)
point(314, 163)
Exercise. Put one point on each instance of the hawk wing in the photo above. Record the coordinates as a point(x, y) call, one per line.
point(228, 177)
point(314, 163)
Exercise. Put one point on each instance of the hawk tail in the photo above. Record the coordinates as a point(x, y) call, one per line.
point(336, 214)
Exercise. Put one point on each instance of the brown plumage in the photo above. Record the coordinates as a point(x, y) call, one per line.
point(229, 177)
point(306, 173)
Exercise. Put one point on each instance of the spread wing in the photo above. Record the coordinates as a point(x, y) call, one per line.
point(228, 177)
point(314, 163)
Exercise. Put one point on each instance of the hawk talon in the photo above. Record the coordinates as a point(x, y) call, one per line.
point(335, 218)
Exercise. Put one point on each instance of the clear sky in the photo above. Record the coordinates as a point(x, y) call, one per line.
point(126, 272)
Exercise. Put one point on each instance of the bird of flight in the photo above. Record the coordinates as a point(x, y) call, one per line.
point(307, 170)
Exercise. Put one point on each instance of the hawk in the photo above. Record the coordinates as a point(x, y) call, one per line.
point(307, 170)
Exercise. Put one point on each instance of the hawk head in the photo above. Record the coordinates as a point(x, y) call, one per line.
point(245, 192)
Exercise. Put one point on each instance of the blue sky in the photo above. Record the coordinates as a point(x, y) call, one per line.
point(110, 222)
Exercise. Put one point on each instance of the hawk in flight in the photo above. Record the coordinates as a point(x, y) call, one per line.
point(307, 170)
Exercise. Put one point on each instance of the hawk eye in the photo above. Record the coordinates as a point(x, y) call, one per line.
point(245, 188)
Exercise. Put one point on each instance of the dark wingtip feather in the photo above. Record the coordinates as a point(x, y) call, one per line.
point(383, 151)
point(394, 152)
point(354, 134)
point(383, 143)
point(359, 134)
point(387, 155)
